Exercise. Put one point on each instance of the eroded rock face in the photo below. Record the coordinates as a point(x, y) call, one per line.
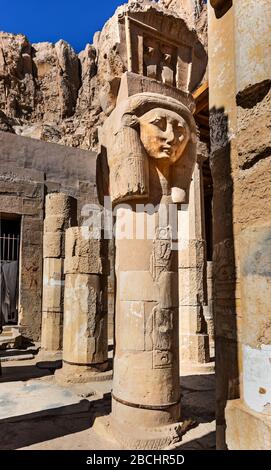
point(195, 14)
point(49, 92)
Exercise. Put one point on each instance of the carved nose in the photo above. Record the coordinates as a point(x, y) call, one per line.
point(170, 134)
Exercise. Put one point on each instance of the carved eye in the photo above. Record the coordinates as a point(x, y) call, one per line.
point(181, 130)
point(159, 122)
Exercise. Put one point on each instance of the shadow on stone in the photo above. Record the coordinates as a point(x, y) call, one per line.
point(22, 373)
point(198, 397)
point(25, 430)
point(52, 366)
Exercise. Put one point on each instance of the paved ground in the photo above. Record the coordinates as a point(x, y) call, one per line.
point(35, 413)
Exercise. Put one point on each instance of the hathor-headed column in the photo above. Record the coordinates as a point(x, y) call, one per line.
point(85, 350)
point(60, 214)
point(148, 143)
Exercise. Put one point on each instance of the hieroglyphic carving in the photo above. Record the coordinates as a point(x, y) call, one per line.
point(161, 253)
point(162, 338)
point(159, 329)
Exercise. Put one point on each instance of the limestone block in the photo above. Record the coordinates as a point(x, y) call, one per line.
point(247, 429)
point(32, 231)
point(83, 253)
point(168, 290)
point(56, 223)
point(252, 59)
point(209, 280)
point(191, 289)
point(83, 264)
point(132, 315)
point(137, 286)
point(192, 254)
point(53, 245)
point(85, 325)
point(32, 206)
point(52, 331)
point(190, 319)
point(15, 204)
point(151, 388)
point(62, 205)
point(255, 252)
point(127, 252)
point(53, 285)
point(194, 348)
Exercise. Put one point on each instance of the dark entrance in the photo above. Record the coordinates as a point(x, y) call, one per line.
point(10, 226)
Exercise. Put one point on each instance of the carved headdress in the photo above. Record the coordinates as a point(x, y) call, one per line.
point(123, 163)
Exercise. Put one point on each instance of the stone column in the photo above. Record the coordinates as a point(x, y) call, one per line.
point(151, 158)
point(85, 350)
point(252, 412)
point(209, 308)
point(194, 339)
point(222, 161)
point(60, 214)
point(239, 36)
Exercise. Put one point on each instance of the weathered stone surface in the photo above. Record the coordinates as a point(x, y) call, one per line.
point(85, 330)
point(53, 285)
point(60, 214)
point(62, 205)
point(83, 253)
point(52, 332)
point(194, 12)
point(191, 319)
point(240, 164)
point(194, 349)
point(191, 289)
point(84, 322)
point(53, 244)
point(246, 429)
point(192, 253)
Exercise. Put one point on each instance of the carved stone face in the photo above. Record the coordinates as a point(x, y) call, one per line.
point(164, 134)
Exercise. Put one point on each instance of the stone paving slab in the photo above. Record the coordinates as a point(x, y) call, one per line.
point(36, 413)
point(23, 399)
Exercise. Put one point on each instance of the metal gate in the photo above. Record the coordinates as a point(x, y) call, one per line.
point(9, 267)
point(9, 247)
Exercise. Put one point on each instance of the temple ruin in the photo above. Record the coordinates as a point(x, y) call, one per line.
point(135, 217)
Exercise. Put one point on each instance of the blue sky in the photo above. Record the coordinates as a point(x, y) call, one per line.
point(51, 20)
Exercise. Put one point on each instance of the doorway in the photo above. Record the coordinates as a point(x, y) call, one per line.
point(10, 227)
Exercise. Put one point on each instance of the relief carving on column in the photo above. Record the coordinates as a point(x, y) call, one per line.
point(160, 61)
point(161, 252)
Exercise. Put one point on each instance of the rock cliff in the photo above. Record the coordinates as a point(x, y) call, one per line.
point(49, 92)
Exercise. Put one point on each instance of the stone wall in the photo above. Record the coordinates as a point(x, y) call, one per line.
point(239, 80)
point(28, 170)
